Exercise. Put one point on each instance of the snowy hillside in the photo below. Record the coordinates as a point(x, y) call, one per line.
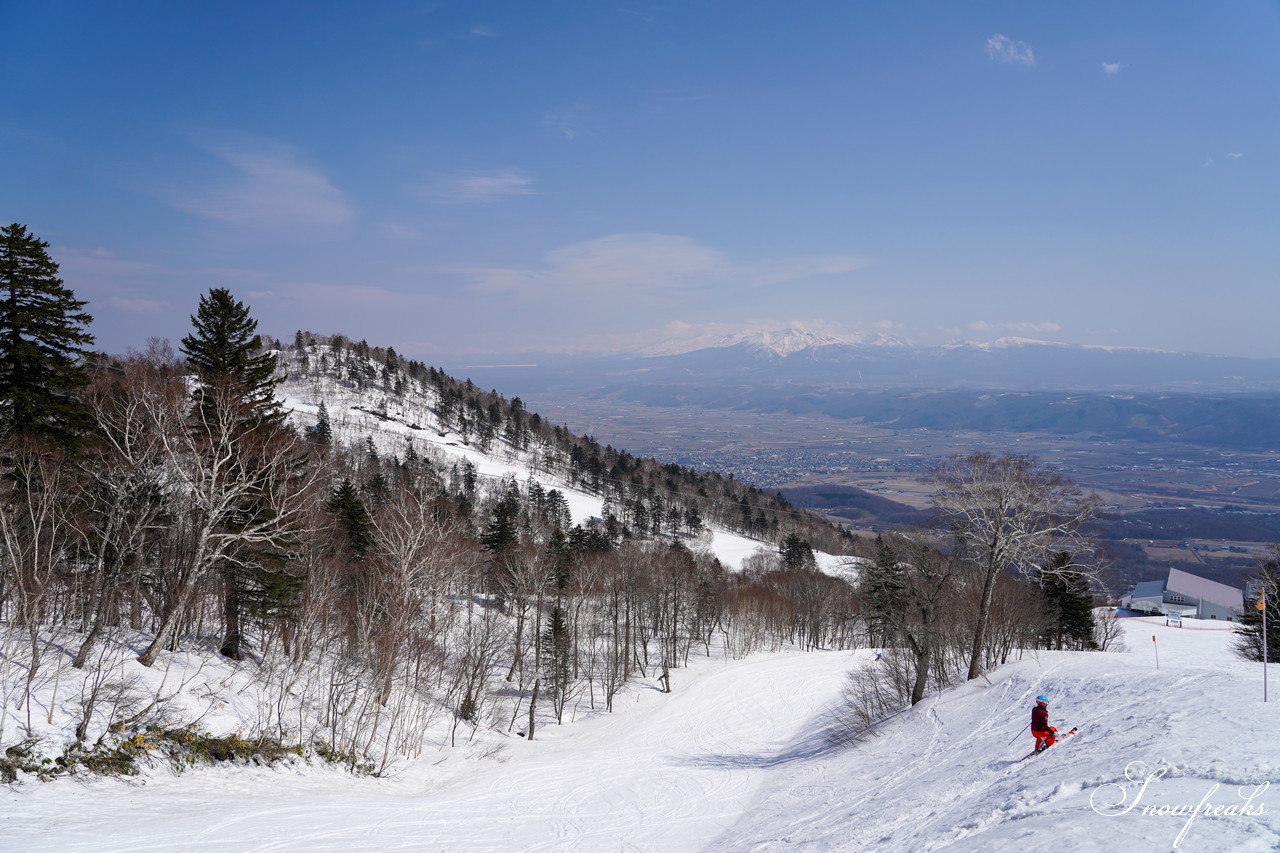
point(738, 760)
point(396, 422)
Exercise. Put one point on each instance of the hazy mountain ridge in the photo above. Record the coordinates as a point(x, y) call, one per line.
point(1010, 384)
point(879, 362)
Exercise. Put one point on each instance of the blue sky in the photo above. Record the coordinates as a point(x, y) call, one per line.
point(489, 177)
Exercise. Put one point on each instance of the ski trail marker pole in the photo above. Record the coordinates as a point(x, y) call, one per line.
point(1261, 605)
point(1155, 646)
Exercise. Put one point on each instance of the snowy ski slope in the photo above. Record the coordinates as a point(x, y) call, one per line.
point(736, 760)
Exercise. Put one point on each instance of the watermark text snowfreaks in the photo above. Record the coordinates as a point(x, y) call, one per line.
point(1103, 800)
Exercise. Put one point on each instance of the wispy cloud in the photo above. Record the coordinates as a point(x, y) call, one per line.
point(99, 264)
point(479, 187)
point(568, 121)
point(1111, 69)
point(1015, 328)
point(1003, 49)
point(481, 31)
point(639, 264)
point(137, 306)
point(268, 185)
point(1235, 155)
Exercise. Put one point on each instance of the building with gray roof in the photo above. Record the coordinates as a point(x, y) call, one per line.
point(1185, 594)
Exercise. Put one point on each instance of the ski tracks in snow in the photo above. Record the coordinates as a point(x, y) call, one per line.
point(667, 773)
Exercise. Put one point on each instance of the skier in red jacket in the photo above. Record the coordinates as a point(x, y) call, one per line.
point(1040, 728)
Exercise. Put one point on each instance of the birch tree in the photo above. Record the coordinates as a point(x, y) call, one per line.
point(1008, 514)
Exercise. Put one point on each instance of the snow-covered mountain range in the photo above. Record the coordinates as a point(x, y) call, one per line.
point(778, 343)
point(798, 355)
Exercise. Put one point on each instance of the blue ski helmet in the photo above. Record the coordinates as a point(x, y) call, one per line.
point(1043, 700)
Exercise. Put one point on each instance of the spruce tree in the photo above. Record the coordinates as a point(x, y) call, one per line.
point(353, 518)
point(322, 432)
point(42, 342)
point(884, 585)
point(226, 354)
point(797, 554)
point(1265, 583)
point(225, 348)
point(1068, 601)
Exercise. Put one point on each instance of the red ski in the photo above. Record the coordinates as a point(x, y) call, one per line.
point(1057, 740)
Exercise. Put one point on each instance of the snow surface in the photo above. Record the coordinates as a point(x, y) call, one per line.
point(736, 759)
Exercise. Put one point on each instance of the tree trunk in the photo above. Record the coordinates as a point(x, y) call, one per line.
point(922, 676)
point(82, 656)
point(984, 616)
point(231, 637)
point(533, 705)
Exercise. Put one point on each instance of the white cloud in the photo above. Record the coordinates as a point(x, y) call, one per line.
point(1018, 328)
point(269, 186)
point(137, 306)
point(98, 263)
point(484, 32)
point(479, 187)
point(1003, 49)
point(639, 264)
point(1111, 69)
point(1235, 155)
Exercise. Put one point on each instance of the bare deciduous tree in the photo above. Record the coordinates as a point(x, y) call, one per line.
point(1008, 513)
point(218, 467)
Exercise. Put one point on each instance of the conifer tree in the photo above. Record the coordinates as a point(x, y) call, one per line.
point(225, 348)
point(1265, 583)
point(884, 585)
point(42, 341)
point(1068, 600)
point(797, 555)
point(238, 389)
point(353, 518)
point(322, 432)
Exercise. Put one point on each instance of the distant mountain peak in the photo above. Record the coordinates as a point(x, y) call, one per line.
point(1011, 342)
point(783, 342)
point(778, 343)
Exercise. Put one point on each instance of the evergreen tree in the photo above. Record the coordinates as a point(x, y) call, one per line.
point(353, 519)
point(557, 663)
point(42, 341)
point(1265, 583)
point(502, 534)
point(797, 555)
point(322, 432)
point(225, 348)
point(238, 391)
point(560, 556)
point(884, 585)
point(1069, 602)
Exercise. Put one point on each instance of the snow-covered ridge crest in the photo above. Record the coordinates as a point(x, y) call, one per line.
point(1014, 342)
point(367, 406)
